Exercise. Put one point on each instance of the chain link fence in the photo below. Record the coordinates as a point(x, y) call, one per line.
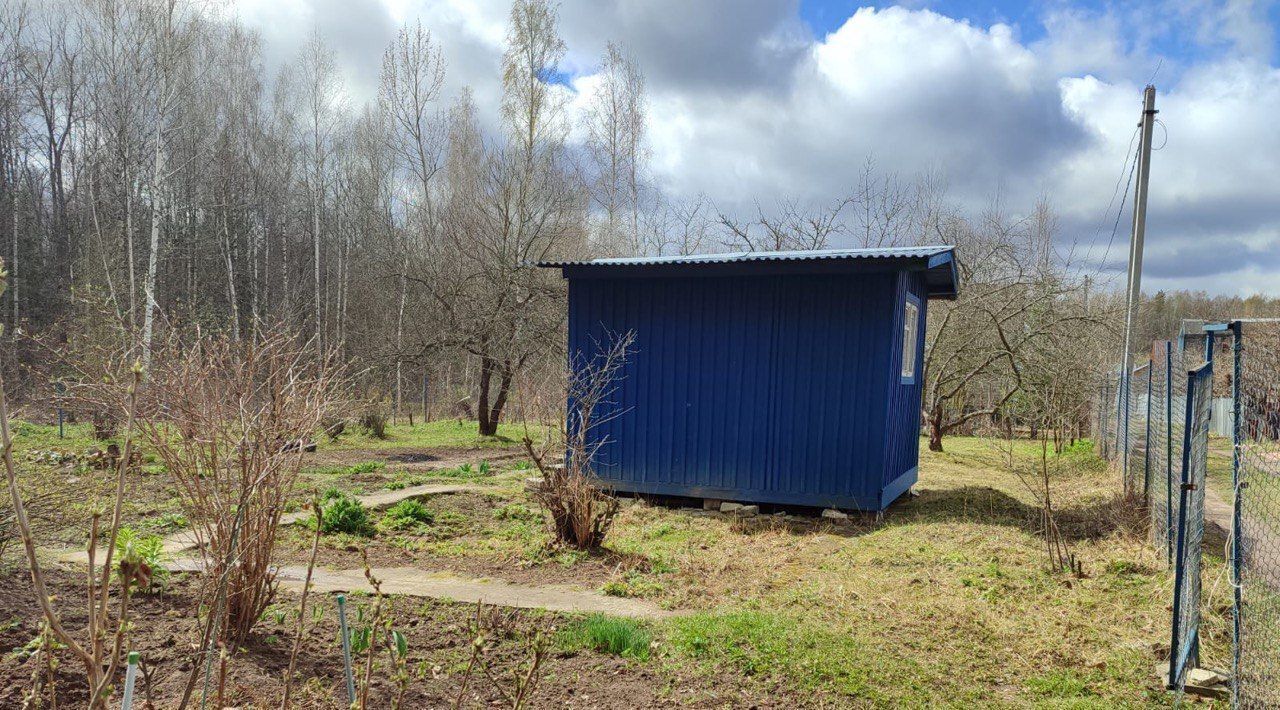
point(1137, 398)
point(1155, 426)
point(1256, 514)
point(1163, 467)
point(1185, 643)
point(1105, 428)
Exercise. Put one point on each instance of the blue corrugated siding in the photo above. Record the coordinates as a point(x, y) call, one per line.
point(778, 389)
point(902, 449)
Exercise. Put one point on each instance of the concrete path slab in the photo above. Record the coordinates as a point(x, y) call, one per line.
point(185, 540)
point(413, 582)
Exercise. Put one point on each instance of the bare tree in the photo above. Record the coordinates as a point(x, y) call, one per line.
point(509, 207)
point(615, 128)
point(1015, 299)
point(788, 227)
point(412, 73)
point(321, 95)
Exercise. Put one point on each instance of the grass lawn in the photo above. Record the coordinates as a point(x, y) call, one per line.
point(438, 434)
point(947, 601)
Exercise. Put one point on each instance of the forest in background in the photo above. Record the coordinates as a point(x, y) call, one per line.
point(154, 178)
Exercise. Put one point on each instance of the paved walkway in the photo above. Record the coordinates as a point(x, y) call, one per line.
point(185, 540)
point(409, 581)
point(414, 582)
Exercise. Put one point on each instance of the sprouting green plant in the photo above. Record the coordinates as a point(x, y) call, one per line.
point(141, 559)
point(407, 514)
point(343, 514)
point(465, 469)
point(396, 486)
point(166, 522)
point(484, 468)
point(522, 465)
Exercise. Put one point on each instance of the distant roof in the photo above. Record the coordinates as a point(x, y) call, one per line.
point(938, 263)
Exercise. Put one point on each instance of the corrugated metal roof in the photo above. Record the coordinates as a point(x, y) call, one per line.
point(751, 256)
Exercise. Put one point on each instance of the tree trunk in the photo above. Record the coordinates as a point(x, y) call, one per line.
point(487, 427)
point(504, 388)
point(232, 298)
point(935, 428)
point(315, 231)
point(157, 214)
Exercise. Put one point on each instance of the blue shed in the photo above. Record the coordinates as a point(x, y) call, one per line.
point(772, 377)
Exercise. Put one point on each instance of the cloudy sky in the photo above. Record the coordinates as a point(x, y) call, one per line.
point(761, 99)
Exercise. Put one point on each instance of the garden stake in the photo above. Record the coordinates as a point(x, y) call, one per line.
point(129, 677)
point(346, 649)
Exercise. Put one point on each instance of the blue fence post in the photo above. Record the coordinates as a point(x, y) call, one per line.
point(1237, 527)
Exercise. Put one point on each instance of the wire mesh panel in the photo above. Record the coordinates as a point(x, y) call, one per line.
point(1163, 476)
point(1105, 420)
point(1184, 648)
point(1135, 431)
point(1256, 533)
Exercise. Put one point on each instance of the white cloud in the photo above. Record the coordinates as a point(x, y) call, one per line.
point(746, 106)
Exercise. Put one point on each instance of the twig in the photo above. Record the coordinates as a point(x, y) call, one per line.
point(302, 607)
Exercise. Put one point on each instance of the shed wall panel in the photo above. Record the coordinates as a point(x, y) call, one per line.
point(776, 388)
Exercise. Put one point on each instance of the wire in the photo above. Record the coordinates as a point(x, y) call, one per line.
point(1166, 134)
point(1120, 212)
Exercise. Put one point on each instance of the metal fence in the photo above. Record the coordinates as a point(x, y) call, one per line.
point(1256, 513)
point(1184, 648)
point(1164, 446)
point(1155, 427)
point(1104, 424)
point(1134, 429)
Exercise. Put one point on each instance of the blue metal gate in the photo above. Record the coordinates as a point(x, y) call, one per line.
point(1184, 648)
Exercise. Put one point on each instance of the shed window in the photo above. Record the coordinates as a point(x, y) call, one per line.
point(910, 336)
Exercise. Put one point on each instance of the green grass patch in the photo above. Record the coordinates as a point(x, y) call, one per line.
point(620, 637)
point(777, 647)
point(407, 515)
point(352, 470)
point(445, 433)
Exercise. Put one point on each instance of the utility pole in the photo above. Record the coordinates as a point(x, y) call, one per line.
point(1134, 293)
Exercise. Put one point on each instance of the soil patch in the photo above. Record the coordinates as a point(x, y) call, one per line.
point(438, 643)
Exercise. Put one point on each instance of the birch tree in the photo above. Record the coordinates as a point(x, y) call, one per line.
point(413, 72)
point(615, 134)
point(171, 43)
point(321, 97)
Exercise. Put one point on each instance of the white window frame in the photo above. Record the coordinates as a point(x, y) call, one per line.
point(910, 340)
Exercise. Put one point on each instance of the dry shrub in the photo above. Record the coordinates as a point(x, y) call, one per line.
point(581, 511)
point(374, 420)
point(230, 421)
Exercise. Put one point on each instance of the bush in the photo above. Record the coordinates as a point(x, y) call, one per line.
point(374, 423)
point(407, 514)
point(620, 637)
point(344, 514)
point(333, 428)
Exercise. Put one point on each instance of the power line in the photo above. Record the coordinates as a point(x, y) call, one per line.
point(1120, 212)
point(1129, 152)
